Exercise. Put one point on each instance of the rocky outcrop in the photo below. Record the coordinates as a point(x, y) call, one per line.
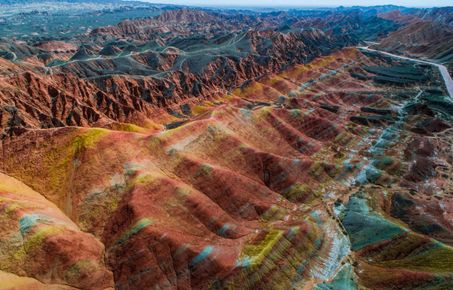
point(130, 81)
point(426, 39)
point(273, 186)
point(201, 150)
point(36, 233)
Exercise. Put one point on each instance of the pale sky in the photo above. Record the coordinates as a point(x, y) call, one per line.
point(407, 3)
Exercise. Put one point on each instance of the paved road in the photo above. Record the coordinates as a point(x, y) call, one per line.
point(443, 70)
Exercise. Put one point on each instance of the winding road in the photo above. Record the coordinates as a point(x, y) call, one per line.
point(443, 70)
point(14, 56)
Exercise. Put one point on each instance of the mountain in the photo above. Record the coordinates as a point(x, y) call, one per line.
point(168, 148)
point(16, 2)
point(426, 39)
point(122, 73)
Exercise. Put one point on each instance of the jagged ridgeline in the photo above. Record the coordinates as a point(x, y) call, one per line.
point(14, 2)
point(221, 149)
point(127, 72)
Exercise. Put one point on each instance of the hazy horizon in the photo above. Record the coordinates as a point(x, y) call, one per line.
point(298, 3)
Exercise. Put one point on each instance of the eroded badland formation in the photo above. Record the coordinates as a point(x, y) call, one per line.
point(201, 149)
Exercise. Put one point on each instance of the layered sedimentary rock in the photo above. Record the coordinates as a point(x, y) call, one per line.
point(330, 175)
point(36, 233)
point(425, 34)
point(222, 149)
point(134, 71)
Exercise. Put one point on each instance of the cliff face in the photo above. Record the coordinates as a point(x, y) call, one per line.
point(311, 176)
point(426, 33)
point(35, 100)
point(94, 91)
point(225, 150)
point(426, 39)
point(134, 70)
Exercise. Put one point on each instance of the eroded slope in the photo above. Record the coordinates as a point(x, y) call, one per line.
point(335, 174)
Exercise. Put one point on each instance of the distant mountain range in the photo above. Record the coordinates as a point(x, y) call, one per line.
point(57, 1)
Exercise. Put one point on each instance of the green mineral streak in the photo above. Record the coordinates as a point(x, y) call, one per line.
point(140, 225)
point(204, 170)
point(183, 192)
point(34, 241)
point(39, 237)
point(79, 269)
point(10, 209)
point(59, 171)
point(316, 169)
point(439, 259)
point(297, 191)
point(274, 213)
point(255, 253)
point(295, 113)
point(383, 162)
point(88, 139)
point(365, 227)
point(343, 138)
point(144, 179)
point(127, 127)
